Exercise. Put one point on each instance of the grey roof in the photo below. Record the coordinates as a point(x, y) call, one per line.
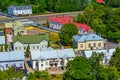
point(11, 56)
point(20, 7)
point(2, 40)
point(52, 54)
point(107, 52)
point(87, 37)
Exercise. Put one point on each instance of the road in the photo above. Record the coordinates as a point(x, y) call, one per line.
point(43, 17)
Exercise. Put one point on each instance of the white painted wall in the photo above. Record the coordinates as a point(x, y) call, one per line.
point(38, 46)
point(10, 63)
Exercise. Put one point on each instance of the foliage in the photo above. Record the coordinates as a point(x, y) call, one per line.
point(1, 50)
point(104, 20)
point(66, 33)
point(10, 74)
point(28, 51)
point(47, 5)
point(115, 60)
point(38, 75)
point(78, 69)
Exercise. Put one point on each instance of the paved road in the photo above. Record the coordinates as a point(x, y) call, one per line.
point(43, 17)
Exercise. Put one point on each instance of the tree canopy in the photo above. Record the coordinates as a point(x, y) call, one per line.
point(66, 33)
point(78, 69)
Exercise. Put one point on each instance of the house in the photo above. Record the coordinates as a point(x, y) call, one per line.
point(15, 27)
point(20, 10)
point(51, 59)
point(88, 42)
point(11, 59)
point(107, 54)
point(58, 22)
point(2, 42)
point(82, 28)
point(36, 42)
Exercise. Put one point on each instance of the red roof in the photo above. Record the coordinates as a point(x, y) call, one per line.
point(100, 1)
point(83, 26)
point(61, 19)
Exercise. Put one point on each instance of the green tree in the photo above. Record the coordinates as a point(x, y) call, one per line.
point(66, 33)
point(28, 51)
point(42, 5)
point(78, 69)
point(38, 75)
point(1, 50)
point(81, 19)
point(10, 74)
point(115, 59)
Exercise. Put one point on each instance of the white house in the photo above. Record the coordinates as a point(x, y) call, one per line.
point(51, 59)
point(11, 59)
point(107, 54)
point(36, 42)
point(19, 10)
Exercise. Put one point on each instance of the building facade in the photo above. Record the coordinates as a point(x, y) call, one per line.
point(51, 60)
point(36, 42)
point(20, 10)
point(88, 42)
point(11, 59)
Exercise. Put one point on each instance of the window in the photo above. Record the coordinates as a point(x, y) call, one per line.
point(24, 47)
point(99, 44)
point(33, 47)
point(37, 47)
point(15, 48)
point(14, 65)
point(20, 64)
point(41, 65)
point(94, 45)
point(46, 63)
point(19, 48)
point(81, 45)
point(89, 45)
point(6, 65)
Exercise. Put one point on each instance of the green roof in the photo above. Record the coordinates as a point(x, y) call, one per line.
point(30, 39)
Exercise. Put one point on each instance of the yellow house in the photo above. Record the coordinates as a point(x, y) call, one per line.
point(16, 27)
point(88, 42)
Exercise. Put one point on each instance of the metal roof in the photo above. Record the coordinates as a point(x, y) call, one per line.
point(2, 40)
point(52, 54)
point(87, 37)
point(11, 56)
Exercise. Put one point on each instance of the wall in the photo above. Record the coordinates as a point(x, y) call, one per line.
point(10, 64)
point(38, 46)
point(86, 45)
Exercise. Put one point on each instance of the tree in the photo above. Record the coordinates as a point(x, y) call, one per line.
point(10, 74)
point(38, 75)
point(81, 19)
point(78, 69)
point(1, 50)
point(28, 51)
point(67, 32)
point(42, 5)
point(115, 59)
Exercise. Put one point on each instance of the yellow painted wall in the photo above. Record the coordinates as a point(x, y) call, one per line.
point(86, 45)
